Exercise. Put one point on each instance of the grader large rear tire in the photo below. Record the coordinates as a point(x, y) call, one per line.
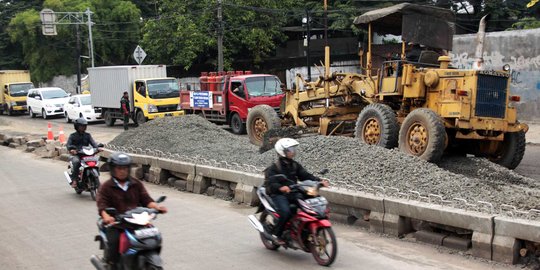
point(511, 150)
point(377, 125)
point(261, 118)
point(422, 134)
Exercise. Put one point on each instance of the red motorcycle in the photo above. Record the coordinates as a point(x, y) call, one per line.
point(309, 229)
point(88, 175)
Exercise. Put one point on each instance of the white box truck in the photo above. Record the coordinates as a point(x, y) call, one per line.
point(151, 93)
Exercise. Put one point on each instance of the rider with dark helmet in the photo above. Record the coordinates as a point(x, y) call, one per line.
point(122, 192)
point(278, 187)
point(77, 140)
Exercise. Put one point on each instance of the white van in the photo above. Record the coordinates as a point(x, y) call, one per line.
point(47, 102)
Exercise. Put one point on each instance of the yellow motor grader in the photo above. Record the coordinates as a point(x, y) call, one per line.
point(416, 101)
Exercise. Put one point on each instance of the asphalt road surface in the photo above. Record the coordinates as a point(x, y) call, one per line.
point(45, 225)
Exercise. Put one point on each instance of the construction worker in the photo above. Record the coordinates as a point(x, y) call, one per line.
point(124, 107)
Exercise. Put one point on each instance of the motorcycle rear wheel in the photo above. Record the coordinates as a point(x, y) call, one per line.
point(268, 223)
point(325, 239)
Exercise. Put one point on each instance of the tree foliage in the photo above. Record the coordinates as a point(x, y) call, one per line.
point(116, 31)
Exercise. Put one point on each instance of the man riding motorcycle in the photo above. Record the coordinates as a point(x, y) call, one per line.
point(123, 193)
point(77, 140)
point(278, 188)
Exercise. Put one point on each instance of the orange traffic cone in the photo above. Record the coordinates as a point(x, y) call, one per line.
point(50, 136)
point(61, 136)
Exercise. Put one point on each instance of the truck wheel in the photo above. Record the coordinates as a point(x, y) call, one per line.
point(260, 119)
point(237, 126)
point(377, 124)
point(109, 120)
point(141, 119)
point(422, 134)
point(510, 152)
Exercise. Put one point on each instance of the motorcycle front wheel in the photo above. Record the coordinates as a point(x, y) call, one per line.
point(94, 185)
point(324, 246)
point(268, 223)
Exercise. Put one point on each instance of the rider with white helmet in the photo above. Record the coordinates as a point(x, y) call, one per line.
point(278, 187)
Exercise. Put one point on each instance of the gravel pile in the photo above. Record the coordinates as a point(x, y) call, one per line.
point(350, 163)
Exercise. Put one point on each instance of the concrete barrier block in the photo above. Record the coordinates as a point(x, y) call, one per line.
point(481, 245)
point(179, 175)
point(505, 249)
point(360, 200)
point(200, 184)
point(246, 194)
point(458, 243)
point(517, 228)
point(376, 222)
point(210, 191)
point(190, 182)
point(396, 225)
point(176, 166)
point(459, 218)
point(230, 175)
point(430, 237)
point(180, 184)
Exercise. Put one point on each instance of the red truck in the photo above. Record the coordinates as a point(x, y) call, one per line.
point(226, 97)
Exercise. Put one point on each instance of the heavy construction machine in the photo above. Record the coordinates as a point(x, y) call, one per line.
point(416, 101)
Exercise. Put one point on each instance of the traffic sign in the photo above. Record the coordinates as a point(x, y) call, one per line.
point(139, 55)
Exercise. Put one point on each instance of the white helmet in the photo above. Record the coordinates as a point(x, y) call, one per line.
point(285, 145)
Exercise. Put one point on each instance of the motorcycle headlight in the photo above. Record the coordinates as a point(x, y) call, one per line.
point(152, 108)
point(312, 191)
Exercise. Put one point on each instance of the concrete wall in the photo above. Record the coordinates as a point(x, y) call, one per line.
point(68, 83)
point(521, 50)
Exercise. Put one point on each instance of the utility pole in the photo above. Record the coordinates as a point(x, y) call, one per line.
point(89, 22)
point(220, 36)
point(78, 60)
point(308, 34)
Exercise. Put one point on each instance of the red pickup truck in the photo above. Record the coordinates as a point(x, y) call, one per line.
point(226, 97)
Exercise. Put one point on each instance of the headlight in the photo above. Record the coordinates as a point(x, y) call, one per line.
point(152, 108)
point(13, 103)
point(506, 67)
point(312, 191)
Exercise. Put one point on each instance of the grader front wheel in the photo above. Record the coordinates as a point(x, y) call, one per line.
point(260, 119)
point(422, 134)
point(510, 152)
point(377, 125)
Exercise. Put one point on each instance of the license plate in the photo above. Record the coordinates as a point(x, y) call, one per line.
point(147, 232)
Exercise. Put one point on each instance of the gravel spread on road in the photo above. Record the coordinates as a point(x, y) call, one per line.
point(351, 164)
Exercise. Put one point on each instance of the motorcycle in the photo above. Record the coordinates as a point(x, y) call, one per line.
point(88, 176)
point(309, 229)
point(140, 241)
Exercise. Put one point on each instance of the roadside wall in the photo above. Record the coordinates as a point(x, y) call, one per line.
point(520, 49)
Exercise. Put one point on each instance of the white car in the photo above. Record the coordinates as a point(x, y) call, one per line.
point(47, 102)
point(81, 106)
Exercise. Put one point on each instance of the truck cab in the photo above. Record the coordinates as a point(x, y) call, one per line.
point(156, 98)
point(226, 98)
point(15, 97)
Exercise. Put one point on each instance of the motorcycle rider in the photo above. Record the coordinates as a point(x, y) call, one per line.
point(77, 140)
point(122, 192)
point(278, 188)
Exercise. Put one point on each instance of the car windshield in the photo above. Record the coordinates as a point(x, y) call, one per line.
point(168, 88)
point(86, 100)
point(263, 86)
point(20, 90)
point(56, 93)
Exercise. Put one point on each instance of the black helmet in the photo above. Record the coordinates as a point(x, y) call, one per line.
point(79, 122)
point(119, 159)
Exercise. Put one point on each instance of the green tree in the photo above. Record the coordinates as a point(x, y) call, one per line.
point(11, 56)
point(116, 33)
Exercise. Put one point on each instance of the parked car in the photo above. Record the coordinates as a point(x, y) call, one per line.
point(81, 106)
point(47, 102)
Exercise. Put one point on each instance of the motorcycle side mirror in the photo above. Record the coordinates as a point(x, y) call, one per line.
point(324, 171)
point(161, 199)
point(111, 211)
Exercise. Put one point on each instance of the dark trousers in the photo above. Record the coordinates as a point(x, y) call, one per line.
point(126, 121)
point(282, 203)
point(75, 166)
point(113, 240)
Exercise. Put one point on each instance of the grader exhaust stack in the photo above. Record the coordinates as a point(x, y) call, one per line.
point(481, 36)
